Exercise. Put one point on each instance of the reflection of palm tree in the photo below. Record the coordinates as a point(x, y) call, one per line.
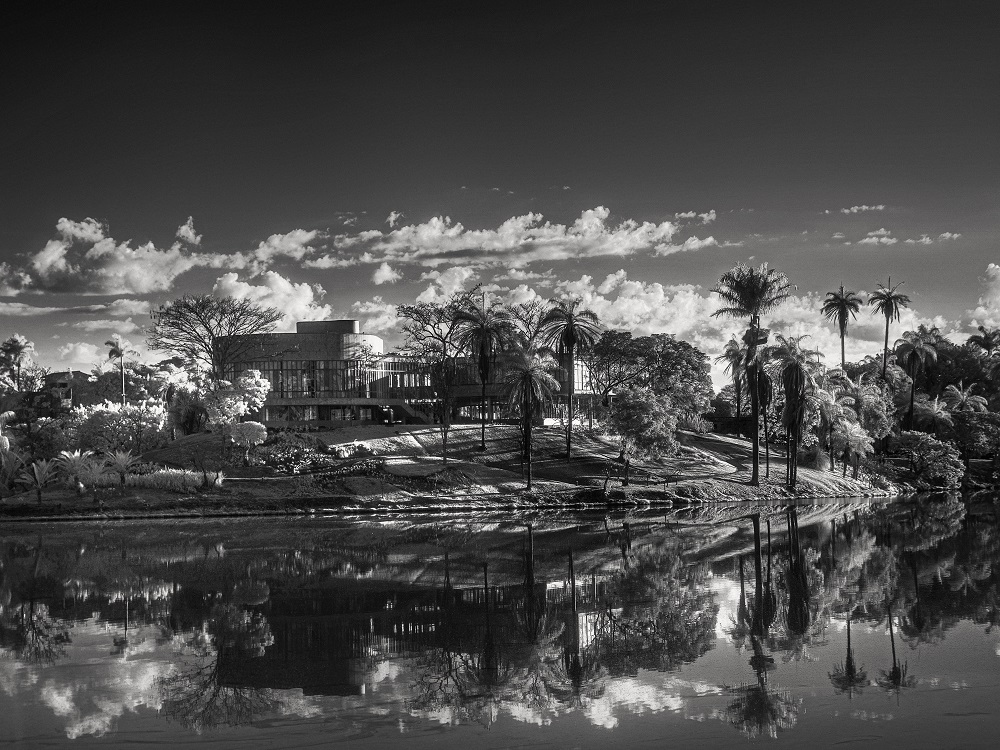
point(847, 677)
point(896, 678)
point(757, 710)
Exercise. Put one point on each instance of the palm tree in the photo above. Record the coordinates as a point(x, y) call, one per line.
point(833, 407)
point(839, 307)
point(794, 365)
point(988, 340)
point(855, 441)
point(14, 350)
point(888, 302)
point(869, 403)
point(959, 399)
point(74, 466)
point(914, 352)
point(484, 330)
point(749, 293)
point(733, 356)
point(567, 329)
point(120, 463)
point(38, 475)
point(119, 348)
point(933, 415)
point(529, 383)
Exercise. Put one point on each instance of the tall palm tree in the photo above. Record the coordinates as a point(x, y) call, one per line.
point(528, 383)
point(839, 307)
point(119, 348)
point(568, 329)
point(933, 415)
point(749, 293)
point(484, 330)
point(733, 356)
point(914, 352)
point(14, 350)
point(888, 302)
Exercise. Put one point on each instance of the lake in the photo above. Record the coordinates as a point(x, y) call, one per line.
point(843, 623)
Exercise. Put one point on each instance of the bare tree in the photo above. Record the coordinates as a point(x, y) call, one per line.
point(214, 332)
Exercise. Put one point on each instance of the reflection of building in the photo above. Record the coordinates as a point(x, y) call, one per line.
point(329, 372)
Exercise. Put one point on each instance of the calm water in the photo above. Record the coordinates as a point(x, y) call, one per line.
point(855, 623)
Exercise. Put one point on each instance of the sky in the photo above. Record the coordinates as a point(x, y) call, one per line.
point(336, 162)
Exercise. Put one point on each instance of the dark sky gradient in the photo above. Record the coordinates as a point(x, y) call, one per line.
point(259, 122)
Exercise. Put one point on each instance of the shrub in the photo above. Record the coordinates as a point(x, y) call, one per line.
point(11, 466)
point(38, 475)
point(247, 435)
point(73, 466)
point(694, 423)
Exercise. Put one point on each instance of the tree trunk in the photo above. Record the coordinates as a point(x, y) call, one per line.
point(843, 357)
point(885, 351)
point(767, 449)
point(909, 416)
point(527, 438)
point(483, 411)
point(754, 424)
point(571, 385)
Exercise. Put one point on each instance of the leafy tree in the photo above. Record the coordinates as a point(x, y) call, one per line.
point(109, 426)
point(217, 333)
point(528, 317)
point(645, 425)
point(569, 329)
point(750, 293)
point(839, 307)
point(528, 384)
point(484, 330)
point(119, 348)
point(13, 353)
point(229, 402)
point(247, 435)
point(675, 369)
point(616, 361)
point(887, 301)
point(432, 333)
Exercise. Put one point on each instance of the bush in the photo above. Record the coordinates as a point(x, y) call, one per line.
point(694, 423)
point(932, 463)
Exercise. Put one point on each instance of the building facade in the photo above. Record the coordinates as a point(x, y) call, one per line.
point(329, 372)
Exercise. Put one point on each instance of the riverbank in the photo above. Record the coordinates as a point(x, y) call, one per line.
point(401, 470)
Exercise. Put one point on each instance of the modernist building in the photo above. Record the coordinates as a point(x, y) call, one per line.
point(329, 372)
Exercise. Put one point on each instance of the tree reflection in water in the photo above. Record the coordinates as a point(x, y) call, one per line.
point(848, 677)
point(27, 628)
point(198, 695)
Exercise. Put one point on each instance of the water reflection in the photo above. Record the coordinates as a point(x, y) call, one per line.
point(455, 622)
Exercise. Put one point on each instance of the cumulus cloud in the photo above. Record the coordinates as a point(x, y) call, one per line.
point(80, 353)
point(944, 236)
point(186, 233)
point(862, 209)
point(386, 274)
point(987, 310)
point(879, 237)
point(446, 283)
point(84, 261)
point(838, 235)
point(88, 230)
point(516, 242)
point(393, 218)
point(293, 245)
point(296, 301)
point(923, 240)
point(376, 315)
